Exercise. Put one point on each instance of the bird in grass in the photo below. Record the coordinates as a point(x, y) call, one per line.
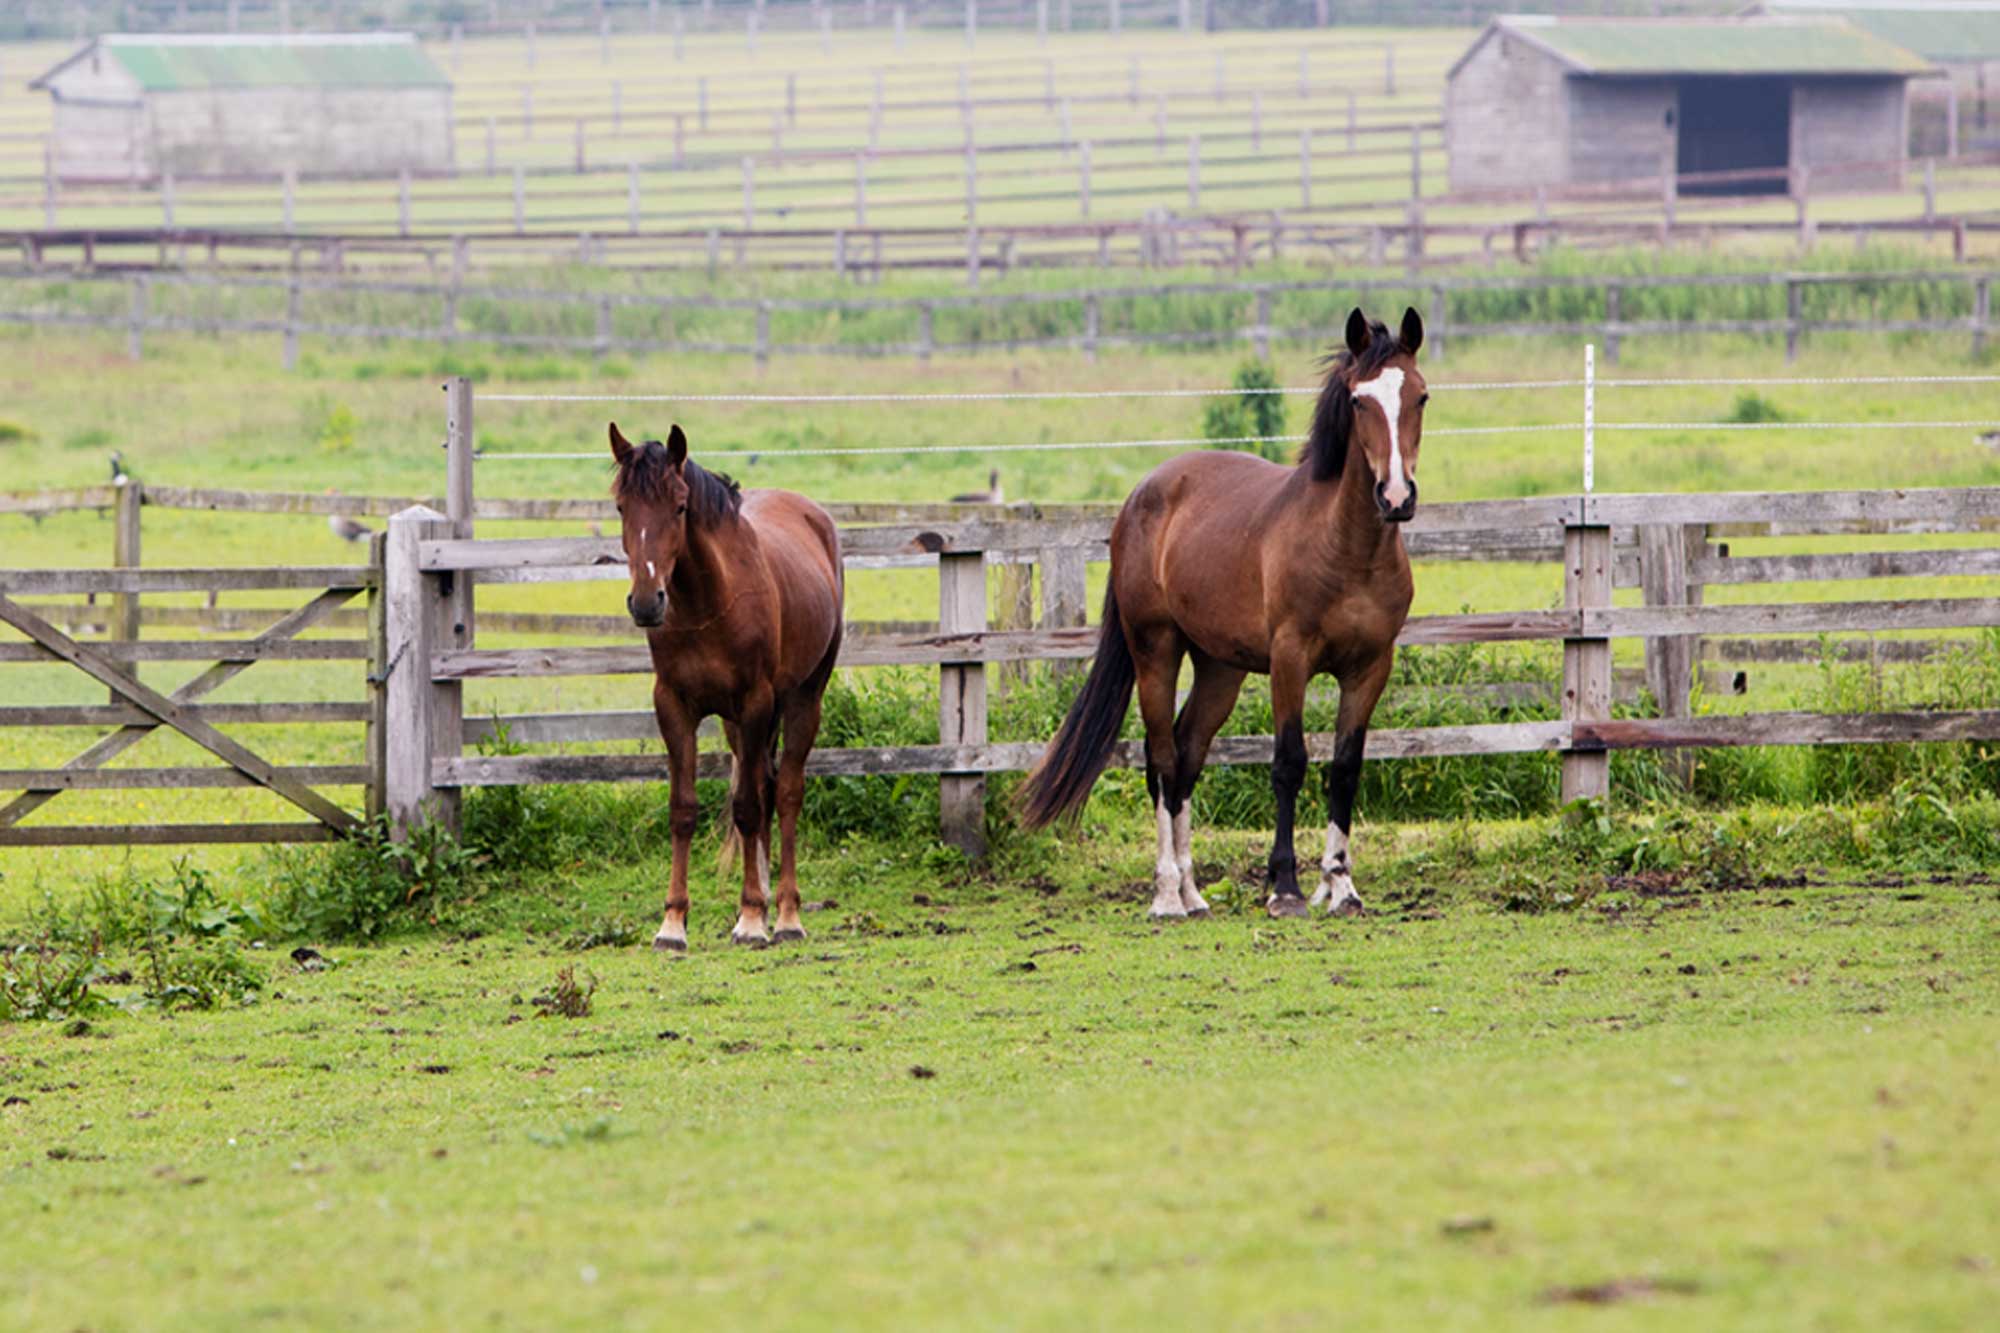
point(118, 473)
point(346, 528)
point(990, 496)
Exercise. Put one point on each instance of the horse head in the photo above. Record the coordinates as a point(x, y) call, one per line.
point(1382, 372)
point(652, 492)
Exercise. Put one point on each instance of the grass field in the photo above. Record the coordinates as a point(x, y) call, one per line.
point(804, 113)
point(1006, 1101)
point(1696, 1059)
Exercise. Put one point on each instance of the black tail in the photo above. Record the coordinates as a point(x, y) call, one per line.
point(1062, 781)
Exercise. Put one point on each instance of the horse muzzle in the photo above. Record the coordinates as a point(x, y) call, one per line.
point(1397, 512)
point(648, 612)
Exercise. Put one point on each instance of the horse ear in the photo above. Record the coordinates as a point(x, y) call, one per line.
point(621, 448)
point(1358, 336)
point(1413, 330)
point(677, 446)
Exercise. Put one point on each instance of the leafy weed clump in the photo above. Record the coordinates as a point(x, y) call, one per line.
point(45, 981)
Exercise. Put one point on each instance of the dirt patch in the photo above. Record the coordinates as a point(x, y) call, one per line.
point(1620, 1289)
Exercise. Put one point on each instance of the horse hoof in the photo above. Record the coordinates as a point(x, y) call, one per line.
point(668, 944)
point(789, 934)
point(1348, 907)
point(1198, 913)
point(749, 941)
point(1175, 913)
point(1285, 905)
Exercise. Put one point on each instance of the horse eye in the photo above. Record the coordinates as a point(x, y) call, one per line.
point(1423, 398)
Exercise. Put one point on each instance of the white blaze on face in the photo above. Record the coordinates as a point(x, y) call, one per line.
point(1386, 390)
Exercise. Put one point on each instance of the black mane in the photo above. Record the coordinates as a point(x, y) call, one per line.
point(643, 476)
point(1333, 419)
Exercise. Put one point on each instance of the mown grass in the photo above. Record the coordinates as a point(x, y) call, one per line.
point(1000, 1098)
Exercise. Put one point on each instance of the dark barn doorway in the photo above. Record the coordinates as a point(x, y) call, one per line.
point(1735, 125)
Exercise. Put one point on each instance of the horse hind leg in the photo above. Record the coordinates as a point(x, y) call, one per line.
point(1207, 708)
point(1159, 667)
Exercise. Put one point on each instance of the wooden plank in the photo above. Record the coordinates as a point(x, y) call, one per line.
point(206, 683)
point(1586, 695)
point(57, 501)
point(159, 835)
point(1005, 757)
point(1489, 627)
point(1845, 650)
point(1792, 729)
point(1950, 562)
point(51, 582)
point(1793, 618)
point(204, 650)
point(100, 779)
point(1965, 507)
point(107, 672)
point(962, 700)
point(123, 715)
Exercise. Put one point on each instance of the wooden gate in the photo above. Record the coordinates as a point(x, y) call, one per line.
point(137, 710)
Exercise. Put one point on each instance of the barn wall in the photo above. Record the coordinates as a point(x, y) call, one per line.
point(1849, 120)
point(261, 131)
point(1619, 129)
point(1505, 118)
point(100, 141)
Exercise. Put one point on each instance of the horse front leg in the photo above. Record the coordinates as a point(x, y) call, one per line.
point(1289, 672)
point(677, 729)
point(1358, 697)
point(751, 811)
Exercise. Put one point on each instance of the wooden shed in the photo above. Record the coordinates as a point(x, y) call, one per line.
point(139, 108)
point(1546, 101)
point(1960, 37)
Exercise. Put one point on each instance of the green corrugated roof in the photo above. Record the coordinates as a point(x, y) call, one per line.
point(1945, 33)
point(319, 62)
point(1714, 46)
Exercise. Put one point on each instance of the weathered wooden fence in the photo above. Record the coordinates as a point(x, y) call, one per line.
point(423, 645)
point(602, 324)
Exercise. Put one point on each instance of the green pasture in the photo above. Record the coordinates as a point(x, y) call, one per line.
point(1722, 1056)
point(1003, 1100)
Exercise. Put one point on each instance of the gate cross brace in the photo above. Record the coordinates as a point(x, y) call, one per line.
point(173, 713)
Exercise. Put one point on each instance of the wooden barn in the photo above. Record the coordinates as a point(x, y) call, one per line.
point(139, 108)
point(1540, 101)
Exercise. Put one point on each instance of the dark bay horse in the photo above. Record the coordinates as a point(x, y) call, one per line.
point(740, 597)
point(1245, 565)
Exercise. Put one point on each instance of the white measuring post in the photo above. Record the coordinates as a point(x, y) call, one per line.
point(1589, 417)
point(749, 193)
point(1083, 176)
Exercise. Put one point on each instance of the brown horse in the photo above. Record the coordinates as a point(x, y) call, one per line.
point(1245, 565)
point(740, 597)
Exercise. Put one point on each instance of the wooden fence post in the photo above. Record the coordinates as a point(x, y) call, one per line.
point(407, 698)
point(1614, 312)
point(1982, 311)
point(290, 355)
point(1586, 697)
point(962, 700)
point(377, 727)
point(1083, 177)
point(125, 555)
point(1063, 592)
point(1260, 332)
point(1016, 610)
point(135, 319)
point(1794, 318)
point(520, 198)
point(860, 189)
point(1306, 170)
point(1194, 172)
point(453, 628)
point(1663, 579)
